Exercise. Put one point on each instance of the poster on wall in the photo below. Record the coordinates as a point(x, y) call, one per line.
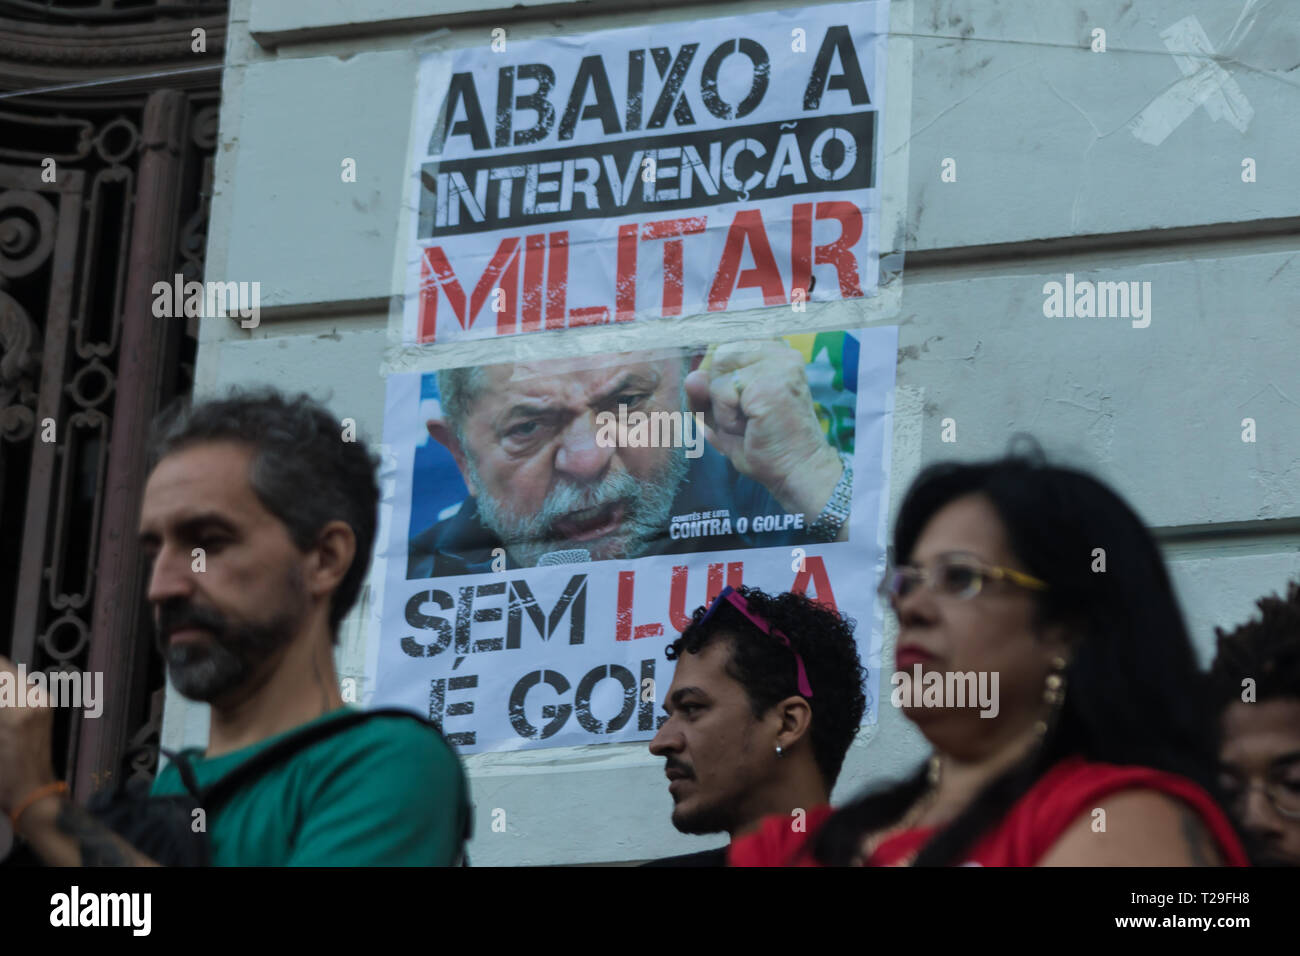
point(555, 522)
point(678, 169)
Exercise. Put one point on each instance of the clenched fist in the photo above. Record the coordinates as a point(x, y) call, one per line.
point(759, 412)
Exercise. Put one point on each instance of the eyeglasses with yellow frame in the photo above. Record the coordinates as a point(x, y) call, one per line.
point(955, 574)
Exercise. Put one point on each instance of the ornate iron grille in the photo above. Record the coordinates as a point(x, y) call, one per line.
point(100, 197)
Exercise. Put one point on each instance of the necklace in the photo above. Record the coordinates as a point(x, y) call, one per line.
point(908, 820)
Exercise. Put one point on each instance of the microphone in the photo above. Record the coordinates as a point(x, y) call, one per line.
point(569, 556)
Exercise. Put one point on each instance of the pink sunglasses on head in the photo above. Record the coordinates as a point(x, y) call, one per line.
point(735, 598)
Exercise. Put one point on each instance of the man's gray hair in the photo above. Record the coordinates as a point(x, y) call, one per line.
point(303, 471)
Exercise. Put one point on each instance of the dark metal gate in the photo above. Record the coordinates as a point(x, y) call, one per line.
point(105, 177)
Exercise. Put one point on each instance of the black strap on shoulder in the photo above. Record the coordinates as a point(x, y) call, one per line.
point(221, 791)
point(216, 795)
point(185, 769)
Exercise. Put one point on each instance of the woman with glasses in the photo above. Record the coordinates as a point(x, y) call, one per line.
point(1099, 749)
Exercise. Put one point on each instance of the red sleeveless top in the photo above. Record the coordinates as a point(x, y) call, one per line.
point(1030, 828)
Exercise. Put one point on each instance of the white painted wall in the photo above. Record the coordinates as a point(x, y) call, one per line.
point(1051, 180)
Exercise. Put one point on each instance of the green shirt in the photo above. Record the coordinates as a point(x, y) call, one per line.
point(388, 792)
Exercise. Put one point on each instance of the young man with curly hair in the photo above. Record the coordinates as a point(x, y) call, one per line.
point(765, 700)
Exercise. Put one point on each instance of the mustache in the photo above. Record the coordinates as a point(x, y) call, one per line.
point(569, 497)
point(671, 763)
point(566, 498)
point(177, 614)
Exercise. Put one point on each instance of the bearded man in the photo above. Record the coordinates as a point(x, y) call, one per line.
point(258, 520)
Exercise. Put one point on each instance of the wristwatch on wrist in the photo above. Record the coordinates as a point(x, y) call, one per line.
point(831, 520)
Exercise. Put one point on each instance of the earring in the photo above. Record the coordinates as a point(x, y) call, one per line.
point(934, 771)
point(1053, 692)
point(779, 751)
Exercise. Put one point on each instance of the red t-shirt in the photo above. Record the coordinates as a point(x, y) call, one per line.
point(1031, 827)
